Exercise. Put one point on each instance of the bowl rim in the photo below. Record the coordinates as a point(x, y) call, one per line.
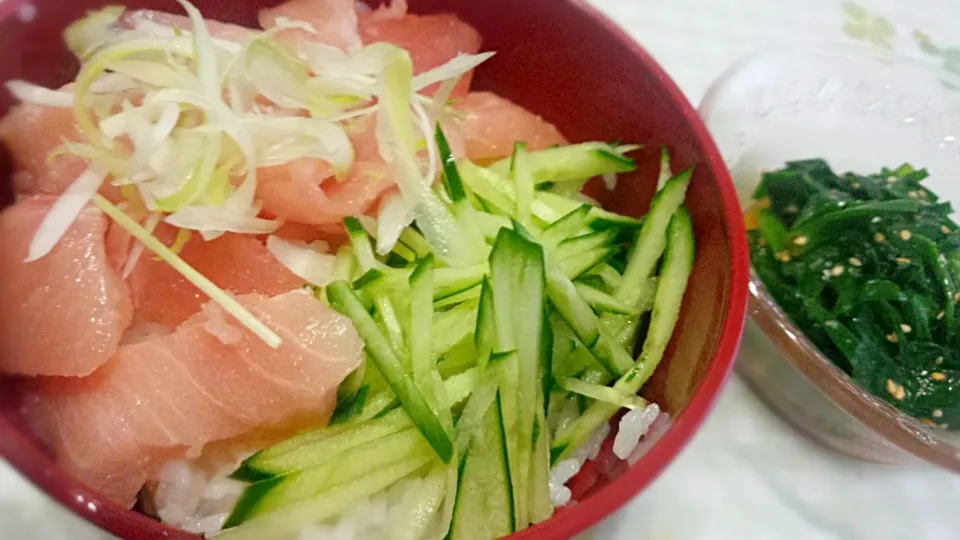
point(92, 507)
point(883, 419)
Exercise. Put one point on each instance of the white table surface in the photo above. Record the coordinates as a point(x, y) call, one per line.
point(746, 475)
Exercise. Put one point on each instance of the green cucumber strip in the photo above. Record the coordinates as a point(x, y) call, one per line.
point(490, 225)
point(601, 393)
point(451, 176)
point(382, 354)
point(573, 162)
point(421, 325)
point(289, 520)
point(416, 242)
point(603, 302)
point(453, 326)
point(467, 295)
point(586, 242)
point(309, 455)
point(485, 331)
point(626, 334)
point(550, 207)
point(495, 189)
point(349, 405)
point(389, 323)
point(484, 506)
point(368, 279)
point(330, 472)
point(677, 265)
point(518, 285)
point(653, 237)
point(450, 281)
point(480, 401)
point(566, 226)
point(360, 242)
point(522, 174)
point(461, 386)
point(607, 275)
point(462, 206)
point(584, 322)
point(581, 263)
point(346, 264)
point(572, 307)
point(375, 407)
point(541, 507)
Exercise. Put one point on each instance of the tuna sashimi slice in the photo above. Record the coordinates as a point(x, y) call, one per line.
point(335, 21)
point(158, 398)
point(305, 192)
point(31, 132)
point(63, 314)
point(238, 263)
point(491, 124)
point(432, 40)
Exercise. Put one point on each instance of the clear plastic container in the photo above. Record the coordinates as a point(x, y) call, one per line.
point(859, 110)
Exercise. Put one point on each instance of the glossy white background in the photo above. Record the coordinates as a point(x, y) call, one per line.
point(747, 475)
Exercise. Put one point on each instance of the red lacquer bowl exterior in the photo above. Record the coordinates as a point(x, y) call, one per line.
point(565, 61)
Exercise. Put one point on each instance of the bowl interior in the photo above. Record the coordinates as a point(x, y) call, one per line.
point(564, 61)
point(860, 110)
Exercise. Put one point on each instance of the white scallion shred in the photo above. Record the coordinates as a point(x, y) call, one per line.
point(63, 213)
point(393, 218)
point(32, 93)
point(305, 261)
point(183, 120)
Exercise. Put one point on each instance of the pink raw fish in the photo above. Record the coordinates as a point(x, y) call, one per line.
point(63, 314)
point(491, 124)
point(304, 191)
point(335, 21)
point(432, 40)
point(236, 263)
point(160, 397)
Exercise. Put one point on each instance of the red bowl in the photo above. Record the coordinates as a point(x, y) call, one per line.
point(568, 63)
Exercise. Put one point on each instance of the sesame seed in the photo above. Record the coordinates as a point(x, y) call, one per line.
point(891, 179)
point(940, 316)
point(876, 219)
point(801, 240)
point(906, 328)
point(903, 260)
point(892, 338)
point(939, 360)
point(855, 185)
point(945, 229)
point(791, 209)
point(783, 256)
point(905, 235)
point(855, 262)
point(896, 390)
point(937, 413)
point(938, 376)
point(879, 237)
point(836, 270)
point(913, 194)
point(956, 298)
point(944, 426)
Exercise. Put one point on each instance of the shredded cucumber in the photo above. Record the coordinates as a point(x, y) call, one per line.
point(467, 363)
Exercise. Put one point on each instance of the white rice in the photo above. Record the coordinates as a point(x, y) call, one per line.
point(634, 425)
